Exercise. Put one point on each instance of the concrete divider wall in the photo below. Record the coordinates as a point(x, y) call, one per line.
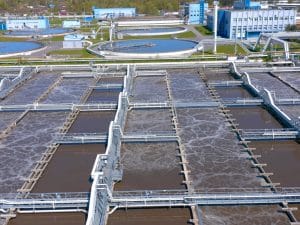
point(107, 169)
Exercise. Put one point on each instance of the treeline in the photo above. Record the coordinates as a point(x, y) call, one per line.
point(150, 7)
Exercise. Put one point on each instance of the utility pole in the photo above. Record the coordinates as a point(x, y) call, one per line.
point(216, 3)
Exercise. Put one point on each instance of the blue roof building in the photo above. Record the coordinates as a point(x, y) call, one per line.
point(113, 13)
point(195, 12)
point(27, 23)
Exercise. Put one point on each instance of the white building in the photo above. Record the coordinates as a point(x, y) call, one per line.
point(73, 41)
point(247, 23)
point(27, 23)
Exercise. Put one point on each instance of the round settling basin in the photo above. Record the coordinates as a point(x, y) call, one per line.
point(153, 31)
point(39, 32)
point(14, 47)
point(148, 48)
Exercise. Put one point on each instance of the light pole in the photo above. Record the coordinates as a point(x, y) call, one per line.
point(216, 3)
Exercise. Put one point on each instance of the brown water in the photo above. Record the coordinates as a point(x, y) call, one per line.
point(254, 118)
point(69, 169)
point(111, 80)
point(218, 76)
point(150, 166)
point(151, 216)
point(103, 96)
point(297, 212)
point(233, 92)
point(49, 219)
point(283, 159)
point(92, 122)
point(243, 215)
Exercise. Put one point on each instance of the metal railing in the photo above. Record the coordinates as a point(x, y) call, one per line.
point(229, 83)
point(269, 134)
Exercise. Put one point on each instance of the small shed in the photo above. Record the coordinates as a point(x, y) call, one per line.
point(73, 41)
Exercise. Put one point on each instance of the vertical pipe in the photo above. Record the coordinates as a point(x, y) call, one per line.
point(215, 25)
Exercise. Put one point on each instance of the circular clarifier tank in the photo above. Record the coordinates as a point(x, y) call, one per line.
point(153, 31)
point(39, 32)
point(7, 48)
point(148, 48)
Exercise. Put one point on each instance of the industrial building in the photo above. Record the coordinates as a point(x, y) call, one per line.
point(248, 19)
point(113, 13)
point(71, 24)
point(27, 23)
point(195, 12)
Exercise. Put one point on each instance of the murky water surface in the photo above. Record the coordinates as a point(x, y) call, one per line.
point(25, 145)
point(92, 122)
point(146, 121)
point(150, 166)
point(282, 159)
point(70, 90)
point(149, 89)
point(261, 80)
point(187, 86)
point(49, 219)
point(214, 156)
point(245, 215)
point(157, 216)
point(70, 168)
point(254, 118)
point(233, 92)
point(31, 89)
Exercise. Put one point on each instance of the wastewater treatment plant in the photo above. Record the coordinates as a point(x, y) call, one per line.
point(113, 124)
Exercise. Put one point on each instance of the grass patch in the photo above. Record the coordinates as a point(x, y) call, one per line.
point(228, 50)
point(55, 38)
point(204, 30)
point(188, 34)
point(73, 53)
point(6, 39)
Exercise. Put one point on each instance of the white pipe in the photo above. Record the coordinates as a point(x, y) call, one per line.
point(51, 211)
point(215, 25)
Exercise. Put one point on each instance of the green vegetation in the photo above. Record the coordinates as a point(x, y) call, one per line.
point(6, 39)
point(187, 35)
point(72, 53)
point(228, 49)
point(55, 38)
point(78, 6)
point(55, 21)
point(203, 30)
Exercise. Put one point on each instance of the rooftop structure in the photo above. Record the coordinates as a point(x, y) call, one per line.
point(113, 13)
point(71, 24)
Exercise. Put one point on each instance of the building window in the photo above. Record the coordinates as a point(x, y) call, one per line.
point(255, 19)
point(240, 19)
point(234, 19)
point(266, 18)
point(270, 18)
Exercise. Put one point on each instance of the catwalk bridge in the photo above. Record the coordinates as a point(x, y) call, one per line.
point(157, 198)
